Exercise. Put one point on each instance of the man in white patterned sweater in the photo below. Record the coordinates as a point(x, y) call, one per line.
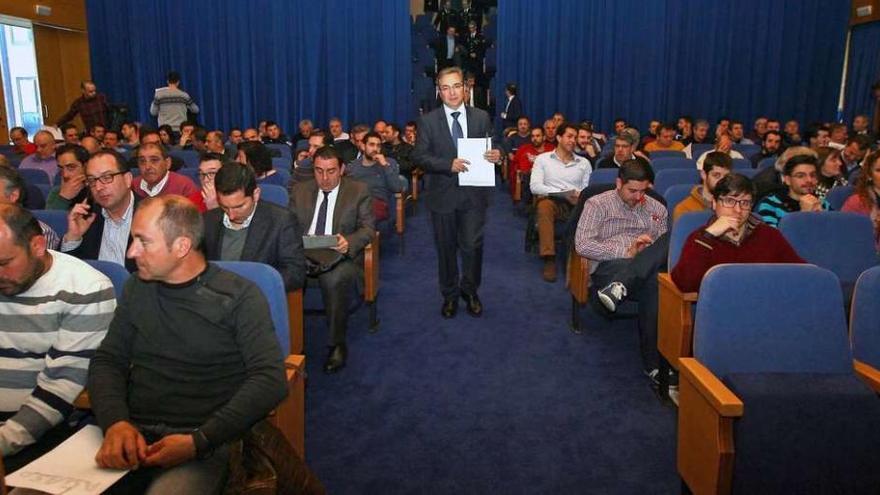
point(54, 311)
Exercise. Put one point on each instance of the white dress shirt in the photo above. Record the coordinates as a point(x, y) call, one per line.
point(462, 119)
point(331, 206)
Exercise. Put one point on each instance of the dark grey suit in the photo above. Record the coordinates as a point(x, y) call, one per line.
point(274, 237)
point(353, 218)
point(457, 213)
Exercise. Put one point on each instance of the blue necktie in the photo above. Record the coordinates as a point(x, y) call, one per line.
point(322, 215)
point(457, 132)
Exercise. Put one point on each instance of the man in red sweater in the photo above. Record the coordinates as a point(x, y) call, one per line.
point(732, 235)
point(156, 178)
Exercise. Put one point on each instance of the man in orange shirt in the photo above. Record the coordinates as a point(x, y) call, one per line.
point(665, 140)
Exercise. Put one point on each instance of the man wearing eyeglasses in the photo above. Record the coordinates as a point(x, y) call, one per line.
point(800, 176)
point(103, 233)
point(458, 213)
point(156, 179)
point(732, 235)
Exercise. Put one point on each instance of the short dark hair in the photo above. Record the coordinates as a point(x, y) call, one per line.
point(81, 154)
point(372, 134)
point(179, 218)
point(235, 177)
point(173, 77)
point(863, 141)
point(667, 126)
point(200, 134)
point(799, 160)
point(511, 87)
point(121, 162)
point(734, 184)
point(19, 129)
point(327, 153)
point(67, 126)
point(188, 123)
point(566, 125)
point(771, 133)
point(257, 155)
point(637, 169)
point(12, 181)
point(717, 159)
point(21, 222)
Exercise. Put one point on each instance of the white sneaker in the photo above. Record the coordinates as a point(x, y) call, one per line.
point(611, 295)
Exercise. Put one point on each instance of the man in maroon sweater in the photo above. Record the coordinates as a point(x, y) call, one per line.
point(732, 235)
point(156, 178)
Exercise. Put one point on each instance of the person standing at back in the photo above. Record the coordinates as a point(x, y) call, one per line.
point(171, 103)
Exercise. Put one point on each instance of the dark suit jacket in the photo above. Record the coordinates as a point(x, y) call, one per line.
point(274, 237)
point(352, 215)
point(514, 112)
point(435, 151)
point(90, 246)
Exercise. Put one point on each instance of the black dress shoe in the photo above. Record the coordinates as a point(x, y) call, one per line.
point(450, 307)
point(336, 359)
point(474, 306)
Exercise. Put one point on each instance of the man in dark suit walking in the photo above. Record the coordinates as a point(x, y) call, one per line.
point(512, 108)
point(344, 209)
point(458, 213)
point(244, 228)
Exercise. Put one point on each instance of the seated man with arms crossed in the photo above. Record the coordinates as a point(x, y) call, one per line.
point(244, 228)
point(557, 179)
point(732, 235)
point(800, 176)
point(381, 174)
point(189, 364)
point(45, 347)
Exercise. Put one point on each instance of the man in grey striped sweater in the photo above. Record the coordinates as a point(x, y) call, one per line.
point(54, 311)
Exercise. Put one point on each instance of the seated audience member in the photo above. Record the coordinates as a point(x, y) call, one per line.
point(156, 179)
point(518, 138)
point(866, 197)
point(275, 135)
point(722, 145)
point(100, 230)
point(861, 125)
point(838, 135)
point(701, 133)
point(770, 179)
point(261, 128)
point(13, 191)
point(550, 131)
point(771, 146)
point(716, 166)
point(209, 164)
point(336, 130)
point(305, 128)
point(528, 152)
point(172, 388)
point(149, 136)
point(199, 140)
point(791, 135)
point(852, 154)
point(111, 141)
point(46, 346)
point(97, 131)
point(251, 134)
point(758, 130)
point(623, 152)
point(257, 156)
point(685, 127)
point(800, 176)
point(166, 135)
point(817, 136)
point(214, 143)
point(557, 179)
point(70, 134)
point(71, 160)
point(44, 158)
point(380, 174)
point(302, 166)
point(619, 125)
point(665, 140)
point(410, 131)
point(343, 208)
point(831, 171)
point(131, 134)
point(622, 232)
point(351, 149)
point(732, 235)
point(187, 129)
point(737, 133)
point(586, 145)
point(235, 136)
point(394, 148)
point(653, 129)
point(379, 128)
point(90, 144)
point(722, 127)
point(21, 145)
point(244, 228)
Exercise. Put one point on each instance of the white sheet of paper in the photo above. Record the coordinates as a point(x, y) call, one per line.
point(480, 172)
point(69, 468)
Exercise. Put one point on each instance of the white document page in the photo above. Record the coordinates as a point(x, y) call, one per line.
point(69, 468)
point(480, 172)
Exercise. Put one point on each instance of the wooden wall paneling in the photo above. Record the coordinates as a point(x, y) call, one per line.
point(70, 14)
point(854, 18)
point(62, 64)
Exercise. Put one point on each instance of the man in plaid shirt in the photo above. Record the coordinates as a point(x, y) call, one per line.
point(623, 233)
point(91, 107)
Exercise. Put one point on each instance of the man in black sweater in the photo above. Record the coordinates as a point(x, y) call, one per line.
point(189, 364)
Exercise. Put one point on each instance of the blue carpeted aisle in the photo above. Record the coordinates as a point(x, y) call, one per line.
point(508, 403)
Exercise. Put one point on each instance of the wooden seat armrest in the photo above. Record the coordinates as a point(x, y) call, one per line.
point(82, 401)
point(289, 416)
point(710, 388)
point(577, 274)
point(517, 187)
point(295, 320)
point(371, 269)
point(868, 373)
point(665, 281)
point(400, 218)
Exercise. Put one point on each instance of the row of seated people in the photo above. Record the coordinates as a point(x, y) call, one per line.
point(180, 369)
